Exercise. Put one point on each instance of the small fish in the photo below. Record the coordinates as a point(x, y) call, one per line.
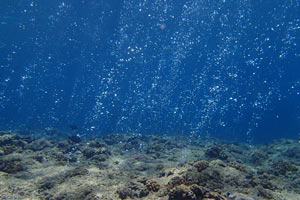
point(73, 127)
point(75, 138)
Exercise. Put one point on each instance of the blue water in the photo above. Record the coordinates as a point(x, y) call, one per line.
point(226, 68)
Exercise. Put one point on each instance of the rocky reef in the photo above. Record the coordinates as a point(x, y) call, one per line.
point(135, 166)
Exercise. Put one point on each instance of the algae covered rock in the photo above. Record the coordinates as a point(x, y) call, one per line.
point(39, 144)
point(239, 196)
point(10, 143)
point(193, 192)
point(293, 152)
point(201, 165)
point(182, 192)
point(50, 182)
point(133, 190)
point(152, 185)
point(281, 167)
point(216, 152)
point(12, 164)
point(210, 177)
point(238, 166)
point(258, 157)
point(78, 194)
point(175, 181)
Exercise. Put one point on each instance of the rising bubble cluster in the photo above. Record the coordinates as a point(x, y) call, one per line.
point(190, 67)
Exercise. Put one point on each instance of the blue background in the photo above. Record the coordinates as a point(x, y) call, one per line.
point(228, 69)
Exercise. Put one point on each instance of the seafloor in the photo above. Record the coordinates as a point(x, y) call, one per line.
point(134, 166)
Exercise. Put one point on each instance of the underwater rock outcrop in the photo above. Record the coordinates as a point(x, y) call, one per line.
point(12, 164)
point(216, 152)
point(146, 167)
point(133, 190)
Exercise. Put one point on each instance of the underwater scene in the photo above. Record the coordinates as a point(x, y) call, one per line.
point(150, 100)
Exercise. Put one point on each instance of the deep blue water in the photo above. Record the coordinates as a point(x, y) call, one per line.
point(225, 68)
